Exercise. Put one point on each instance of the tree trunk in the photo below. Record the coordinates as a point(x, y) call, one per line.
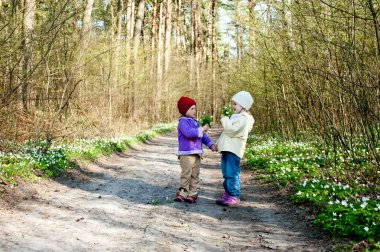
point(114, 54)
point(28, 26)
point(209, 33)
point(159, 63)
point(153, 39)
point(376, 26)
point(239, 34)
point(136, 46)
point(288, 22)
point(152, 78)
point(133, 20)
point(86, 24)
point(84, 37)
point(196, 24)
point(138, 27)
point(111, 74)
point(252, 30)
point(192, 46)
point(120, 10)
point(128, 38)
point(168, 30)
point(213, 59)
point(178, 28)
point(129, 18)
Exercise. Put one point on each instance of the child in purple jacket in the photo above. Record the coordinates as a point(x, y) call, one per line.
point(190, 139)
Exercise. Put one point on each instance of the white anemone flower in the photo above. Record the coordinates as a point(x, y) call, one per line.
point(365, 199)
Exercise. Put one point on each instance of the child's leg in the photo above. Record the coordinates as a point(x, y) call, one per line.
point(194, 181)
point(232, 174)
point(186, 163)
point(224, 166)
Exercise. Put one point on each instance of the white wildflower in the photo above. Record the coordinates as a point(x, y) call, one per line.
point(366, 229)
point(365, 199)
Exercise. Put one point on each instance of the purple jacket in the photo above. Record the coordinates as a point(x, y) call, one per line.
point(191, 137)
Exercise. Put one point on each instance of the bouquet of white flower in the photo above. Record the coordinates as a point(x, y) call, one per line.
point(227, 111)
point(206, 119)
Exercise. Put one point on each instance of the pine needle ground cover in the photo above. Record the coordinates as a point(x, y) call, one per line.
point(40, 158)
point(342, 188)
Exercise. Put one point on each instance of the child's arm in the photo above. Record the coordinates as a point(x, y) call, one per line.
point(206, 140)
point(188, 130)
point(233, 129)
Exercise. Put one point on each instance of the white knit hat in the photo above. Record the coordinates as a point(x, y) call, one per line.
point(244, 99)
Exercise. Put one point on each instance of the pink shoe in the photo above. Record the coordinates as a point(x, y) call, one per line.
point(192, 199)
point(222, 198)
point(231, 201)
point(179, 198)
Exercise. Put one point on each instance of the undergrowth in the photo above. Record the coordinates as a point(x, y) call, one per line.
point(42, 158)
point(344, 190)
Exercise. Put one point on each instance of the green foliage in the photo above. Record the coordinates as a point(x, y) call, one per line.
point(287, 162)
point(358, 219)
point(206, 119)
point(90, 150)
point(328, 179)
point(228, 111)
point(155, 202)
point(12, 166)
point(343, 212)
point(51, 160)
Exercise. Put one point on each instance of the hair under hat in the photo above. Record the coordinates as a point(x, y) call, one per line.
point(184, 103)
point(244, 99)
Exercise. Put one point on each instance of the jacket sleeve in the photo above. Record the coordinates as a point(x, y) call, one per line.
point(206, 140)
point(233, 129)
point(188, 131)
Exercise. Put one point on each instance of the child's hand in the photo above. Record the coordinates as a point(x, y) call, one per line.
point(214, 147)
point(205, 127)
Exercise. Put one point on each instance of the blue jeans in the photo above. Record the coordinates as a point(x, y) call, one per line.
point(231, 173)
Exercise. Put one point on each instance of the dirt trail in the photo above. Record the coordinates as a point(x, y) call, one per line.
point(124, 203)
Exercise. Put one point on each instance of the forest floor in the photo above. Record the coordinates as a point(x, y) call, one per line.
point(125, 203)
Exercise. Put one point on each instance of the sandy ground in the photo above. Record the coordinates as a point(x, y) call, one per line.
point(125, 203)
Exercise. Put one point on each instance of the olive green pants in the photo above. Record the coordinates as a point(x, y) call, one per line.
point(189, 182)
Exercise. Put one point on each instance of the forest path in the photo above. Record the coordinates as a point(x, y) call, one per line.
point(125, 203)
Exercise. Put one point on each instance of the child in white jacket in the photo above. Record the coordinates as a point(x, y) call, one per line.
point(232, 143)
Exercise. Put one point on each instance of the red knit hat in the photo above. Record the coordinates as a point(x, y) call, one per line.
point(184, 103)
